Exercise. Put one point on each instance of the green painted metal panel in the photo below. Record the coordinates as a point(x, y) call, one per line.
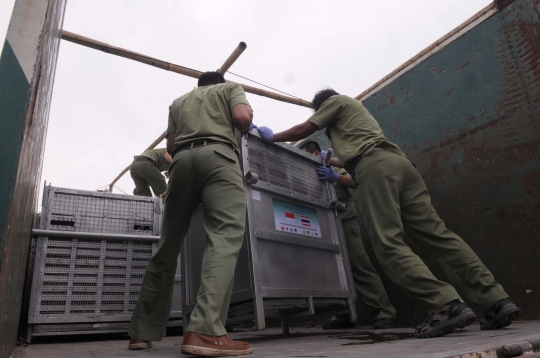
point(469, 117)
point(27, 69)
point(14, 96)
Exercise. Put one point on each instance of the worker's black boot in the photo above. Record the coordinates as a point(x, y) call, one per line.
point(339, 324)
point(385, 323)
point(500, 315)
point(455, 314)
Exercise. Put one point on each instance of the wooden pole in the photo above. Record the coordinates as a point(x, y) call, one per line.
point(101, 46)
point(135, 56)
point(232, 58)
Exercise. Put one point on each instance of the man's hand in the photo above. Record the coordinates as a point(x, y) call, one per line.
point(135, 192)
point(326, 173)
point(267, 134)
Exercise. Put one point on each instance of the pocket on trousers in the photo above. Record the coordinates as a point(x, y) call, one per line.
point(227, 154)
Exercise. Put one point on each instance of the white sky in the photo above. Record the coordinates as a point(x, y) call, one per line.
point(105, 108)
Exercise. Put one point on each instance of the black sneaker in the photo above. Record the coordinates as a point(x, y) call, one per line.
point(455, 314)
point(384, 323)
point(500, 315)
point(345, 324)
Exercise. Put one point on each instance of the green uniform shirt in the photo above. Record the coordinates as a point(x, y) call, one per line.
point(344, 196)
point(157, 156)
point(350, 127)
point(206, 114)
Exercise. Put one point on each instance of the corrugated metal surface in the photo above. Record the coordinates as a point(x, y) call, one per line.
point(27, 69)
point(469, 117)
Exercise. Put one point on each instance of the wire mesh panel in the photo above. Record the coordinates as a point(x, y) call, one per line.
point(284, 169)
point(81, 280)
point(90, 213)
point(88, 276)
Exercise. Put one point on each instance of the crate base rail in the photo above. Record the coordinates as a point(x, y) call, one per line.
point(92, 235)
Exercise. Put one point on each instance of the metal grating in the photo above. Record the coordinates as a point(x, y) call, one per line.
point(88, 277)
point(85, 213)
point(283, 168)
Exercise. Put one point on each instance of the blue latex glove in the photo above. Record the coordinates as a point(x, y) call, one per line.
point(267, 134)
point(252, 126)
point(323, 154)
point(327, 173)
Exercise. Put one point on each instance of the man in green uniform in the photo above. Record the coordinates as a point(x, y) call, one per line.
point(367, 281)
point(394, 199)
point(205, 169)
point(146, 172)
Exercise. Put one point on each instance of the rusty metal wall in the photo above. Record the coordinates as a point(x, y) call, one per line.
point(27, 69)
point(469, 117)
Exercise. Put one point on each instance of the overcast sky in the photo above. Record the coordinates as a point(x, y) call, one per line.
point(106, 109)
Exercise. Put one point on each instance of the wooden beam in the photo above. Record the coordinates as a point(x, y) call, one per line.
point(101, 46)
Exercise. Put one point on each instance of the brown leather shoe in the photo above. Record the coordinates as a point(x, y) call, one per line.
point(213, 346)
point(139, 344)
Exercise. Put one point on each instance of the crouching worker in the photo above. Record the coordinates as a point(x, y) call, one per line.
point(146, 172)
point(394, 200)
point(205, 169)
point(367, 281)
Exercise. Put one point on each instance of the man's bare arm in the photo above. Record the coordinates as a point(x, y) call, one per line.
point(242, 115)
point(346, 181)
point(335, 163)
point(301, 131)
point(167, 157)
point(170, 142)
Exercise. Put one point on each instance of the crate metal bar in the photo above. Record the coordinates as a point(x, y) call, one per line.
point(258, 304)
point(93, 235)
point(128, 277)
point(303, 292)
point(99, 293)
point(296, 240)
point(271, 188)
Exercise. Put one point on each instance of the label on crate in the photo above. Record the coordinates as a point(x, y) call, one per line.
point(255, 195)
point(296, 219)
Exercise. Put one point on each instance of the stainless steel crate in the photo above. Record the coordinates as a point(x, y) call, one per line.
point(293, 265)
point(91, 254)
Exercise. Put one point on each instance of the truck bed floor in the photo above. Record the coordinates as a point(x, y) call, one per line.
point(308, 342)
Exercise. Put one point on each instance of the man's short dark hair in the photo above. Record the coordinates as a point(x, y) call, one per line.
point(310, 146)
point(322, 96)
point(210, 78)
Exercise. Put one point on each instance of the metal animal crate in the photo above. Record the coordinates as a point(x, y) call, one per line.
point(91, 253)
point(293, 265)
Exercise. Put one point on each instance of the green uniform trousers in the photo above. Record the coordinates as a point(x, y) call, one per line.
point(394, 200)
point(211, 175)
point(367, 281)
point(146, 174)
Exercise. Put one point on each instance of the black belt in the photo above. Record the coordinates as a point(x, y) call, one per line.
point(366, 153)
point(143, 159)
point(197, 144)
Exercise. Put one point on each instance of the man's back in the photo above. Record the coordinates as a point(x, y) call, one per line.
point(157, 155)
point(350, 127)
point(206, 114)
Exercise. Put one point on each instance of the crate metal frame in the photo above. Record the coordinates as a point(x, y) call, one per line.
point(248, 304)
point(113, 227)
